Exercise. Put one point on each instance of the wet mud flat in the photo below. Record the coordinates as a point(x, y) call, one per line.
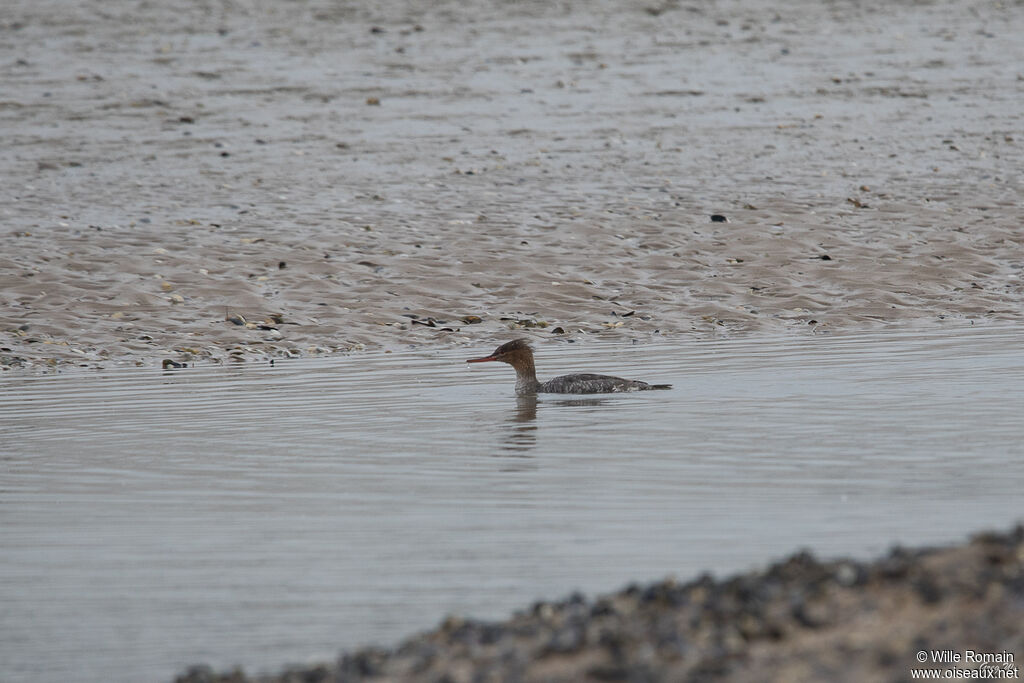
point(801, 619)
point(220, 182)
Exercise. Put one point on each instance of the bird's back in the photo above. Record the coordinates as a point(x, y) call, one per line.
point(595, 384)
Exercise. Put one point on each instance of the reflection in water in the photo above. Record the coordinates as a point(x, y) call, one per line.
point(578, 402)
point(522, 426)
point(526, 409)
point(520, 430)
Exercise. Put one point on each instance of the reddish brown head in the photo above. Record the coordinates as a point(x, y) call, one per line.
point(516, 353)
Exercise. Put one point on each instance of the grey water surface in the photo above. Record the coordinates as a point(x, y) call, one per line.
point(264, 515)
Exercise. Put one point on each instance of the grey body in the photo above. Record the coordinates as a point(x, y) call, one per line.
point(592, 384)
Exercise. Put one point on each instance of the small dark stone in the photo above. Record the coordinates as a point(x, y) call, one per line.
point(799, 612)
point(363, 663)
point(197, 674)
point(928, 590)
point(491, 633)
point(567, 639)
point(610, 672)
point(718, 218)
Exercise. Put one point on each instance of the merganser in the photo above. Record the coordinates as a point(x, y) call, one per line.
point(519, 355)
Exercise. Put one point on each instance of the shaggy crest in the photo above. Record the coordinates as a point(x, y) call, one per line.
point(514, 345)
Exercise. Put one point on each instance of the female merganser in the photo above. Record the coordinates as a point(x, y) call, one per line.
point(519, 355)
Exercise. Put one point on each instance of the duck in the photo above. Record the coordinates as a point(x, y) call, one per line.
point(519, 354)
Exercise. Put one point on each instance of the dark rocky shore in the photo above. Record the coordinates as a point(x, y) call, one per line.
point(801, 619)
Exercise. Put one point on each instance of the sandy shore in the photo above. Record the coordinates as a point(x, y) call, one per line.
point(798, 620)
point(326, 173)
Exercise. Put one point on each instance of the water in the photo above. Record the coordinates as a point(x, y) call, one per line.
point(266, 515)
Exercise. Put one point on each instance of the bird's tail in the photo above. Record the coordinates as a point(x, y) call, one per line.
point(661, 386)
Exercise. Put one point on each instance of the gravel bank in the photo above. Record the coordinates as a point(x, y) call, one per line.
point(801, 619)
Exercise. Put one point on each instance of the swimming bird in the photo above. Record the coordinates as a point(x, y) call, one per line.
point(519, 355)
